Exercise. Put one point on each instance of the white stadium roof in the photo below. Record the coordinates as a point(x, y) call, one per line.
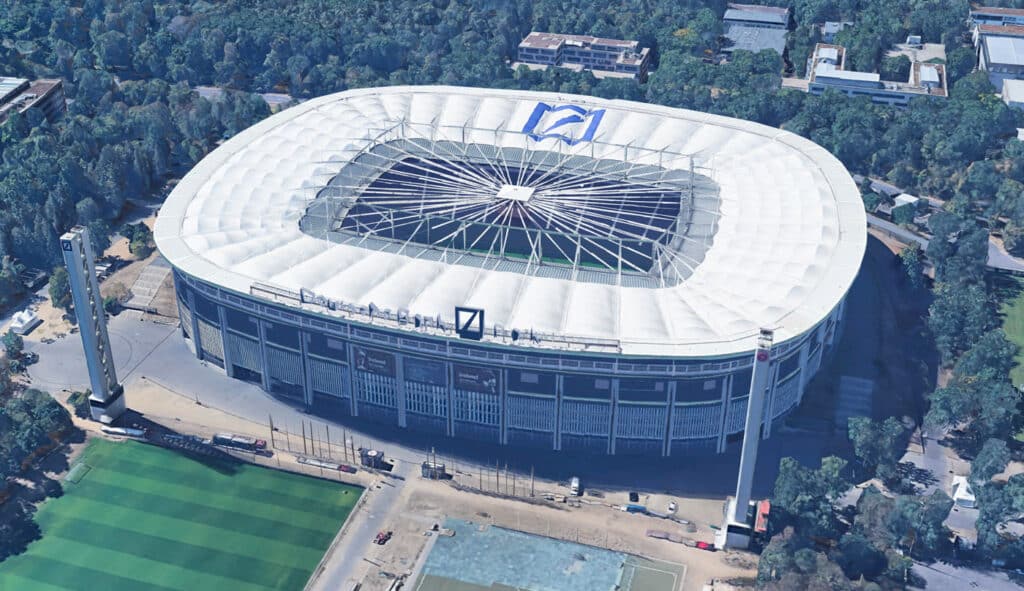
point(758, 227)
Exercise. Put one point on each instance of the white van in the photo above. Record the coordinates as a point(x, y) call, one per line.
point(574, 486)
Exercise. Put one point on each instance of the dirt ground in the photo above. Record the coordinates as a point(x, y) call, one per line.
point(55, 326)
point(425, 502)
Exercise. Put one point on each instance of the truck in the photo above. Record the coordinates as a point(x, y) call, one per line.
point(574, 486)
point(124, 431)
point(433, 470)
point(239, 442)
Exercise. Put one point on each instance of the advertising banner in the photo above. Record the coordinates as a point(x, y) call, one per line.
point(374, 361)
point(425, 371)
point(476, 379)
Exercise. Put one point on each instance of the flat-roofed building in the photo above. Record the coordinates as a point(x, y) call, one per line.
point(755, 15)
point(1013, 93)
point(604, 57)
point(19, 95)
point(996, 15)
point(1002, 57)
point(830, 29)
point(827, 70)
point(981, 31)
point(751, 27)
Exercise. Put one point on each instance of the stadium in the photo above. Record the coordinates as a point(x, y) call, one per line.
point(521, 268)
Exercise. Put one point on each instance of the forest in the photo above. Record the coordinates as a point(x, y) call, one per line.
point(134, 124)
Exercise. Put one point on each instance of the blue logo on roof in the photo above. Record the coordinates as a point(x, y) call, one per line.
point(570, 123)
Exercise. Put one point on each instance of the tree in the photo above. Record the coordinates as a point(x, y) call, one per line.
point(60, 290)
point(11, 287)
point(992, 357)
point(858, 557)
point(13, 344)
point(896, 68)
point(991, 460)
point(877, 445)
point(986, 408)
point(916, 523)
point(959, 316)
point(912, 258)
point(807, 496)
point(140, 239)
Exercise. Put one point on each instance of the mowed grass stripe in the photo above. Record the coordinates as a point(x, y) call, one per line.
point(223, 471)
point(11, 581)
point(65, 575)
point(219, 500)
point(128, 565)
point(317, 496)
point(176, 531)
point(221, 566)
point(189, 511)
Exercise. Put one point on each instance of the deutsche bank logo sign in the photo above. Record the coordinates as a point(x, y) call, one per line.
point(469, 323)
point(570, 123)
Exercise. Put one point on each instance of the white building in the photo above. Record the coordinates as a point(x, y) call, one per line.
point(962, 493)
point(1002, 57)
point(1013, 93)
point(23, 322)
point(346, 253)
point(753, 27)
point(993, 15)
point(826, 69)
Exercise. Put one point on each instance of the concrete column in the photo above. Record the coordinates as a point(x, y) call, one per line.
point(451, 398)
point(559, 388)
point(723, 421)
point(805, 354)
point(352, 379)
point(264, 360)
point(769, 404)
point(196, 343)
point(615, 415)
point(666, 448)
point(307, 371)
point(503, 392)
point(222, 320)
point(400, 389)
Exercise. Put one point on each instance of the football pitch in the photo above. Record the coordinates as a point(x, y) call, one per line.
point(141, 517)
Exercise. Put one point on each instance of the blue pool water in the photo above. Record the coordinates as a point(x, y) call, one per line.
point(520, 560)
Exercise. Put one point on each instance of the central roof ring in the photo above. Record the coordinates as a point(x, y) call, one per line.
point(618, 215)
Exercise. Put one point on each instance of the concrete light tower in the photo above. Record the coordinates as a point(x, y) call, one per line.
point(107, 400)
point(737, 530)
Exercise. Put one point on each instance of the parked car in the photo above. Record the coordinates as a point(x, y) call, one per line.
point(706, 546)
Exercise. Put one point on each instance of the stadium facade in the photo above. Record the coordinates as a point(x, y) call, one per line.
point(522, 268)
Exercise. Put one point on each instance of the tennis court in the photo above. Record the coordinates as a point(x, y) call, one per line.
point(142, 517)
point(487, 558)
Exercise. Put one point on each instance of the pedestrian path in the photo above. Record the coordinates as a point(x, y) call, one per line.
point(854, 400)
point(148, 284)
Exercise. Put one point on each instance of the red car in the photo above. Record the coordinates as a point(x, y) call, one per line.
point(705, 546)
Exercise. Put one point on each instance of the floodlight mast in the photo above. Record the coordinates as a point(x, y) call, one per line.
point(759, 383)
point(737, 529)
point(106, 403)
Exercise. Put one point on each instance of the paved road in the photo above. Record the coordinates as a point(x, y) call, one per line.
point(946, 577)
point(997, 257)
point(344, 562)
point(155, 352)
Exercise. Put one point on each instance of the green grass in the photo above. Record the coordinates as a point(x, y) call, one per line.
point(1013, 323)
point(148, 518)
